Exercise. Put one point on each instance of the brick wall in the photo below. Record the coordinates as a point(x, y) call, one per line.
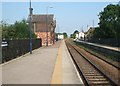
point(42, 35)
point(39, 28)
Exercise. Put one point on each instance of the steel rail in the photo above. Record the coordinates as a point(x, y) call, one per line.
point(87, 82)
point(102, 59)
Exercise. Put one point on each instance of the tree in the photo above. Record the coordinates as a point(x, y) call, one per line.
point(65, 35)
point(74, 34)
point(17, 30)
point(71, 36)
point(8, 31)
point(109, 22)
point(76, 31)
point(96, 33)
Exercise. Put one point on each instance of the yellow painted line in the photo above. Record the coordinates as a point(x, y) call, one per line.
point(57, 74)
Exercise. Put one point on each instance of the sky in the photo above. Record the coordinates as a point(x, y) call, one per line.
point(70, 16)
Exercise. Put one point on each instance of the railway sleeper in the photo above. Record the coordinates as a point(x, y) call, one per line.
point(91, 74)
point(85, 70)
point(89, 69)
point(84, 66)
point(94, 76)
point(100, 82)
point(97, 79)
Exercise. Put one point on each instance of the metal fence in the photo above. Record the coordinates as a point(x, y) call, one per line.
point(17, 47)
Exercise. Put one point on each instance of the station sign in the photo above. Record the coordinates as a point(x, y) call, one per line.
point(4, 44)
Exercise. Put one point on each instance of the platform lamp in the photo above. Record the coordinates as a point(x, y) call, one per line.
point(31, 9)
point(47, 24)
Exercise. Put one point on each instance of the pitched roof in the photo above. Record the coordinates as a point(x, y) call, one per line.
point(42, 18)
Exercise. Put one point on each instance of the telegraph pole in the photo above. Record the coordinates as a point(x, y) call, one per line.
point(31, 9)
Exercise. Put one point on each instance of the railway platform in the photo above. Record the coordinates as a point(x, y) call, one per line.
point(103, 46)
point(46, 65)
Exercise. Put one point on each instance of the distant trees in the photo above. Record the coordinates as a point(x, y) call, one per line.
point(17, 30)
point(109, 25)
point(64, 33)
point(74, 34)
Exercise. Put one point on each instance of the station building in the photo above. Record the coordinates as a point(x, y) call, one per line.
point(43, 26)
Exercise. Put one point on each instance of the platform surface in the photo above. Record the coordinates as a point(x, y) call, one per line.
point(46, 65)
point(101, 45)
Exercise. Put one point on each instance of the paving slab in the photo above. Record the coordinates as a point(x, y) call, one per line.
point(65, 71)
point(36, 68)
point(44, 65)
point(70, 73)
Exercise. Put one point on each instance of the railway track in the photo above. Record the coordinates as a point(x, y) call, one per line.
point(91, 75)
point(115, 64)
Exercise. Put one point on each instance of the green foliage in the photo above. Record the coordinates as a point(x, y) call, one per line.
point(109, 25)
point(17, 30)
point(96, 33)
point(76, 31)
point(71, 35)
point(74, 34)
point(65, 35)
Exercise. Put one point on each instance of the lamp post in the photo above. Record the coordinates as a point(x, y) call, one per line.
point(31, 9)
point(47, 24)
point(93, 23)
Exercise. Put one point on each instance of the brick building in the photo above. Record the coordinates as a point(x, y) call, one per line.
point(43, 25)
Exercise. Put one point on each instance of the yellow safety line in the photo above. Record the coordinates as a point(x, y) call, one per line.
point(57, 74)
